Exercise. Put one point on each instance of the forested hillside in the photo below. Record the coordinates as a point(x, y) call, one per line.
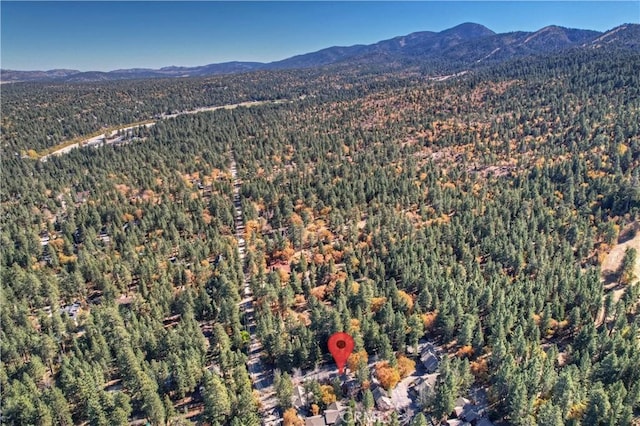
point(473, 212)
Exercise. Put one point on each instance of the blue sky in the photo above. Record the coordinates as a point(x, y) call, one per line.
point(111, 35)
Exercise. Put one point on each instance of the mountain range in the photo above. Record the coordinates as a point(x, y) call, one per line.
point(466, 45)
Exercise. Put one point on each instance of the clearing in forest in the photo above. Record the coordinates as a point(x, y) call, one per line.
point(613, 260)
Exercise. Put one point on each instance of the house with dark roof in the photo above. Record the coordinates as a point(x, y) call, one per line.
point(333, 414)
point(299, 397)
point(383, 402)
point(315, 421)
point(423, 385)
point(44, 238)
point(72, 311)
point(459, 405)
point(484, 422)
point(334, 406)
point(469, 413)
point(350, 388)
point(429, 360)
point(271, 418)
point(104, 235)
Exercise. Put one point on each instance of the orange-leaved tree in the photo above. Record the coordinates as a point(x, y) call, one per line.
point(356, 358)
point(290, 418)
point(388, 375)
point(406, 366)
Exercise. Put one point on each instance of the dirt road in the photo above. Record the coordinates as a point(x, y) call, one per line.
point(261, 376)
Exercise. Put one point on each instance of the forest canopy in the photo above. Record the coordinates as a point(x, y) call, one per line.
point(473, 212)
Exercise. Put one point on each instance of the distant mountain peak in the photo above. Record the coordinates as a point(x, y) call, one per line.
point(627, 35)
point(554, 37)
point(551, 28)
point(546, 31)
point(469, 30)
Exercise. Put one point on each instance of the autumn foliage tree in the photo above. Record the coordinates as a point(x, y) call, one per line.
point(328, 394)
point(356, 359)
point(290, 418)
point(406, 366)
point(388, 375)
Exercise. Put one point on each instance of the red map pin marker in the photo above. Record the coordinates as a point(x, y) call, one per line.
point(340, 346)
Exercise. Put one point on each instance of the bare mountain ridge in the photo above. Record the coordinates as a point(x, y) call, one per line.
point(465, 45)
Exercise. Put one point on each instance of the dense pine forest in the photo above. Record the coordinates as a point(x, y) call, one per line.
point(474, 212)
